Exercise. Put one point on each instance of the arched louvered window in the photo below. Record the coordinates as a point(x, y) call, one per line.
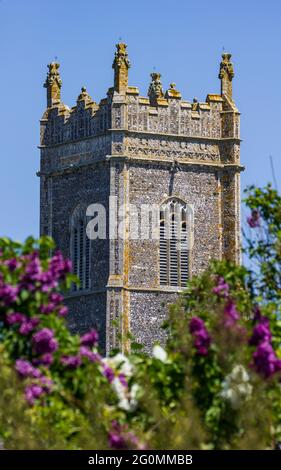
point(80, 251)
point(176, 225)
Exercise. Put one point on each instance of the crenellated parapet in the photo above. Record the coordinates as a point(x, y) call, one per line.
point(161, 124)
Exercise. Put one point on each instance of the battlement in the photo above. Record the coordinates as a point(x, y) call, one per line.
point(125, 110)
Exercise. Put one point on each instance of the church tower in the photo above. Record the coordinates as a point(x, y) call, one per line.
point(157, 178)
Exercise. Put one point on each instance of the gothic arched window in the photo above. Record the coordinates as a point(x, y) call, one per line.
point(176, 231)
point(80, 250)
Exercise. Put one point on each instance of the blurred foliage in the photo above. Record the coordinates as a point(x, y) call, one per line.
point(216, 385)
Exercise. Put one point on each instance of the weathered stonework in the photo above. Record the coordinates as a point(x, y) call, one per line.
point(142, 150)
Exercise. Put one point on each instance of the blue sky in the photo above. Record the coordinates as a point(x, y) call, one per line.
point(182, 39)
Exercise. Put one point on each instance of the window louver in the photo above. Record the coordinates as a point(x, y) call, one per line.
point(81, 255)
point(173, 244)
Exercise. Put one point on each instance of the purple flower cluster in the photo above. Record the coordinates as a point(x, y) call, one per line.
point(108, 372)
point(34, 276)
point(254, 220)
point(54, 305)
point(33, 392)
point(231, 315)
point(59, 266)
point(27, 325)
point(36, 390)
point(26, 369)
point(44, 360)
point(92, 356)
point(200, 334)
point(8, 293)
point(261, 332)
point(15, 318)
point(121, 438)
point(222, 288)
point(71, 362)
point(87, 341)
point(44, 341)
point(265, 361)
point(90, 339)
point(12, 264)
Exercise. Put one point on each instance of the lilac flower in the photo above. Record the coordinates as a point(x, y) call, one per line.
point(63, 311)
point(36, 390)
point(33, 269)
point(47, 308)
point(261, 332)
point(72, 362)
point(44, 341)
point(28, 326)
point(231, 314)
point(45, 360)
point(12, 264)
point(123, 380)
point(56, 297)
point(59, 266)
point(120, 438)
point(86, 352)
point(46, 383)
point(116, 440)
point(108, 373)
point(254, 219)
point(196, 324)
point(222, 288)
point(200, 334)
point(90, 339)
point(15, 317)
point(8, 293)
point(33, 392)
point(202, 342)
point(264, 360)
point(48, 281)
point(26, 369)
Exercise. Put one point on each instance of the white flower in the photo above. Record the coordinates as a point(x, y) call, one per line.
point(239, 374)
point(127, 398)
point(122, 363)
point(236, 388)
point(159, 353)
